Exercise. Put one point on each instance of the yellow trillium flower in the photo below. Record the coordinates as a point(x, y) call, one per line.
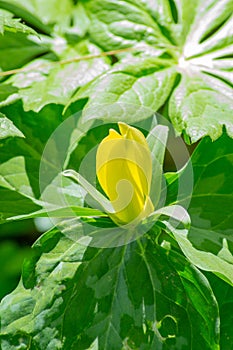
point(124, 171)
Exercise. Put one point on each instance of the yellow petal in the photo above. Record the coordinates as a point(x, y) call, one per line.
point(139, 153)
point(132, 134)
point(124, 170)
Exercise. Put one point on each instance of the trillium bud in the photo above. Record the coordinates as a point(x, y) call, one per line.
point(124, 171)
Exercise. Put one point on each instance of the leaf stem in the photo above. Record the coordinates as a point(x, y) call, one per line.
point(66, 61)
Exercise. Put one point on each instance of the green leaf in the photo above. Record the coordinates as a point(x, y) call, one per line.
point(7, 128)
point(61, 199)
point(204, 260)
point(55, 83)
point(135, 88)
point(202, 102)
point(157, 140)
point(13, 203)
point(81, 21)
point(20, 160)
point(28, 178)
point(63, 212)
point(14, 25)
point(19, 48)
point(195, 37)
point(224, 296)
point(21, 12)
point(211, 30)
point(57, 200)
point(200, 108)
point(122, 24)
point(209, 243)
point(173, 17)
point(176, 212)
point(7, 90)
point(11, 260)
point(141, 295)
point(14, 177)
point(17, 197)
point(36, 128)
point(171, 304)
point(166, 38)
point(114, 23)
point(41, 13)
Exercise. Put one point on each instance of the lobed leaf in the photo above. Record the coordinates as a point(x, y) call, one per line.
point(201, 109)
point(56, 83)
point(172, 304)
point(208, 244)
point(7, 128)
point(135, 88)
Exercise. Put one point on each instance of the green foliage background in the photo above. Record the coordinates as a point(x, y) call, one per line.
point(172, 289)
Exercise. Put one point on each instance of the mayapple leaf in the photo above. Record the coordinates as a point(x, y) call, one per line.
point(8, 94)
point(20, 11)
point(201, 106)
point(56, 83)
point(208, 243)
point(211, 29)
point(157, 140)
point(63, 212)
point(203, 260)
point(21, 48)
point(41, 14)
point(136, 88)
point(176, 212)
point(224, 295)
point(171, 303)
point(20, 165)
point(17, 197)
point(14, 25)
point(202, 101)
point(124, 24)
point(7, 128)
point(166, 45)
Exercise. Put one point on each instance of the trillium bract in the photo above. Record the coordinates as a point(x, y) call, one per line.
point(124, 171)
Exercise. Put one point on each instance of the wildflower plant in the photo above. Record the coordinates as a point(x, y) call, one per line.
point(95, 96)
